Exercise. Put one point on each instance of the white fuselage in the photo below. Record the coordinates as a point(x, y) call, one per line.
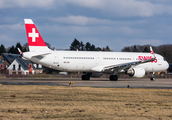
point(85, 61)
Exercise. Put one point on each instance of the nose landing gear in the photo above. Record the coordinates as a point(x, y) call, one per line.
point(152, 78)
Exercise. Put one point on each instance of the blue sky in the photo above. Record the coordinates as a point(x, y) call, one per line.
point(113, 23)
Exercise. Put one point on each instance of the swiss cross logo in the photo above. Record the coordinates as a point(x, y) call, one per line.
point(34, 35)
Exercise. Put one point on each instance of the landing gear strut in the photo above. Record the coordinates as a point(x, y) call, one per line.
point(113, 78)
point(86, 76)
point(152, 78)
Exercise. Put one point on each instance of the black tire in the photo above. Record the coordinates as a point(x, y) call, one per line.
point(85, 77)
point(113, 78)
point(152, 79)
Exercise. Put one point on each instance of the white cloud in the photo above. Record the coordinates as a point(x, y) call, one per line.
point(8, 40)
point(125, 8)
point(82, 20)
point(18, 26)
point(88, 3)
point(77, 20)
point(26, 3)
point(113, 8)
point(12, 33)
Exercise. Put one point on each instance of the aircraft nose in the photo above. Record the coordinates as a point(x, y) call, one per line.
point(167, 65)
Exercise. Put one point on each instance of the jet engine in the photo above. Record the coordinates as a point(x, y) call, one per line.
point(94, 74)
point(136, 72)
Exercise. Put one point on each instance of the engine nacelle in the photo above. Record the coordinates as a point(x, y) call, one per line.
point(136, 72)
point(94, 74)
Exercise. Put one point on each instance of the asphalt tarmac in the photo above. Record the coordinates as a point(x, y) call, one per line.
point(99, 82)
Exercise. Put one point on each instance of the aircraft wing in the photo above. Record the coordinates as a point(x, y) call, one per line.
point(124, 66)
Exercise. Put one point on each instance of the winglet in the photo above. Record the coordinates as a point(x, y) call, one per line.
point(19, 51)
point(153, 55)
point(151, 50)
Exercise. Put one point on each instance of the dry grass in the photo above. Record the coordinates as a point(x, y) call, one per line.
point(56, 102)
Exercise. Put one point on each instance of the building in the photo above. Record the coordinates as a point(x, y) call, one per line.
point(1, 67)
point(14, 64)
point(6, 59)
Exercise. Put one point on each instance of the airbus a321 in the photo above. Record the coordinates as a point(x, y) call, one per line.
point(92, 64)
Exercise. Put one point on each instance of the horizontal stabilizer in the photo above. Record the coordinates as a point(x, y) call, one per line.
point(41, 54)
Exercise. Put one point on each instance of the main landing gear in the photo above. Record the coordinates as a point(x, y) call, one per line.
point(85, 77)
point(152, 78)
point(113, 77)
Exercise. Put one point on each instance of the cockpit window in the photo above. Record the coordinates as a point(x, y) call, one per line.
point(164, 59)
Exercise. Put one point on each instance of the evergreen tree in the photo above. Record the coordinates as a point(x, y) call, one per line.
point(75, 45)
point(146, 49)
point(25, 47)
point(2, 49)
point(98, 49)
point(135, 49)
point(18, 45)
point(92, 48)
point(24, 50)
point(107, 48)
point(88, 46)
point(12, 50)
point(82, 46)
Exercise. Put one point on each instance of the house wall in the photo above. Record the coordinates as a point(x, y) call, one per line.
point(16, 70)
point(6, 64)
point(1, 66)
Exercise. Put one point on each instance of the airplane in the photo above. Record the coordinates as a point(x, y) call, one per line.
point(92, 64)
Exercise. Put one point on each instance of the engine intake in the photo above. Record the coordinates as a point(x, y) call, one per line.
point(136, 72)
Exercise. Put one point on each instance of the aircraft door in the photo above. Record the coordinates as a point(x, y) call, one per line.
point(159, 60)
point(56, 59)
point(97, 59)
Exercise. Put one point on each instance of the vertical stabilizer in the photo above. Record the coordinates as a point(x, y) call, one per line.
point(35, 41)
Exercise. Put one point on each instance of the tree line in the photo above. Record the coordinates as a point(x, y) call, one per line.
point(13, 49)
point(164, 50)
point(77, 45)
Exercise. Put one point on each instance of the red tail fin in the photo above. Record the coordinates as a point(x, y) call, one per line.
point(35, 41)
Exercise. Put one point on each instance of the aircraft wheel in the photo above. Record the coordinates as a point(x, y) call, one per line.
point(113, 78)
point(85, 77)
point(152, 79)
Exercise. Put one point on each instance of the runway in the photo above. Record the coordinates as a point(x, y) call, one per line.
point(99, 82)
